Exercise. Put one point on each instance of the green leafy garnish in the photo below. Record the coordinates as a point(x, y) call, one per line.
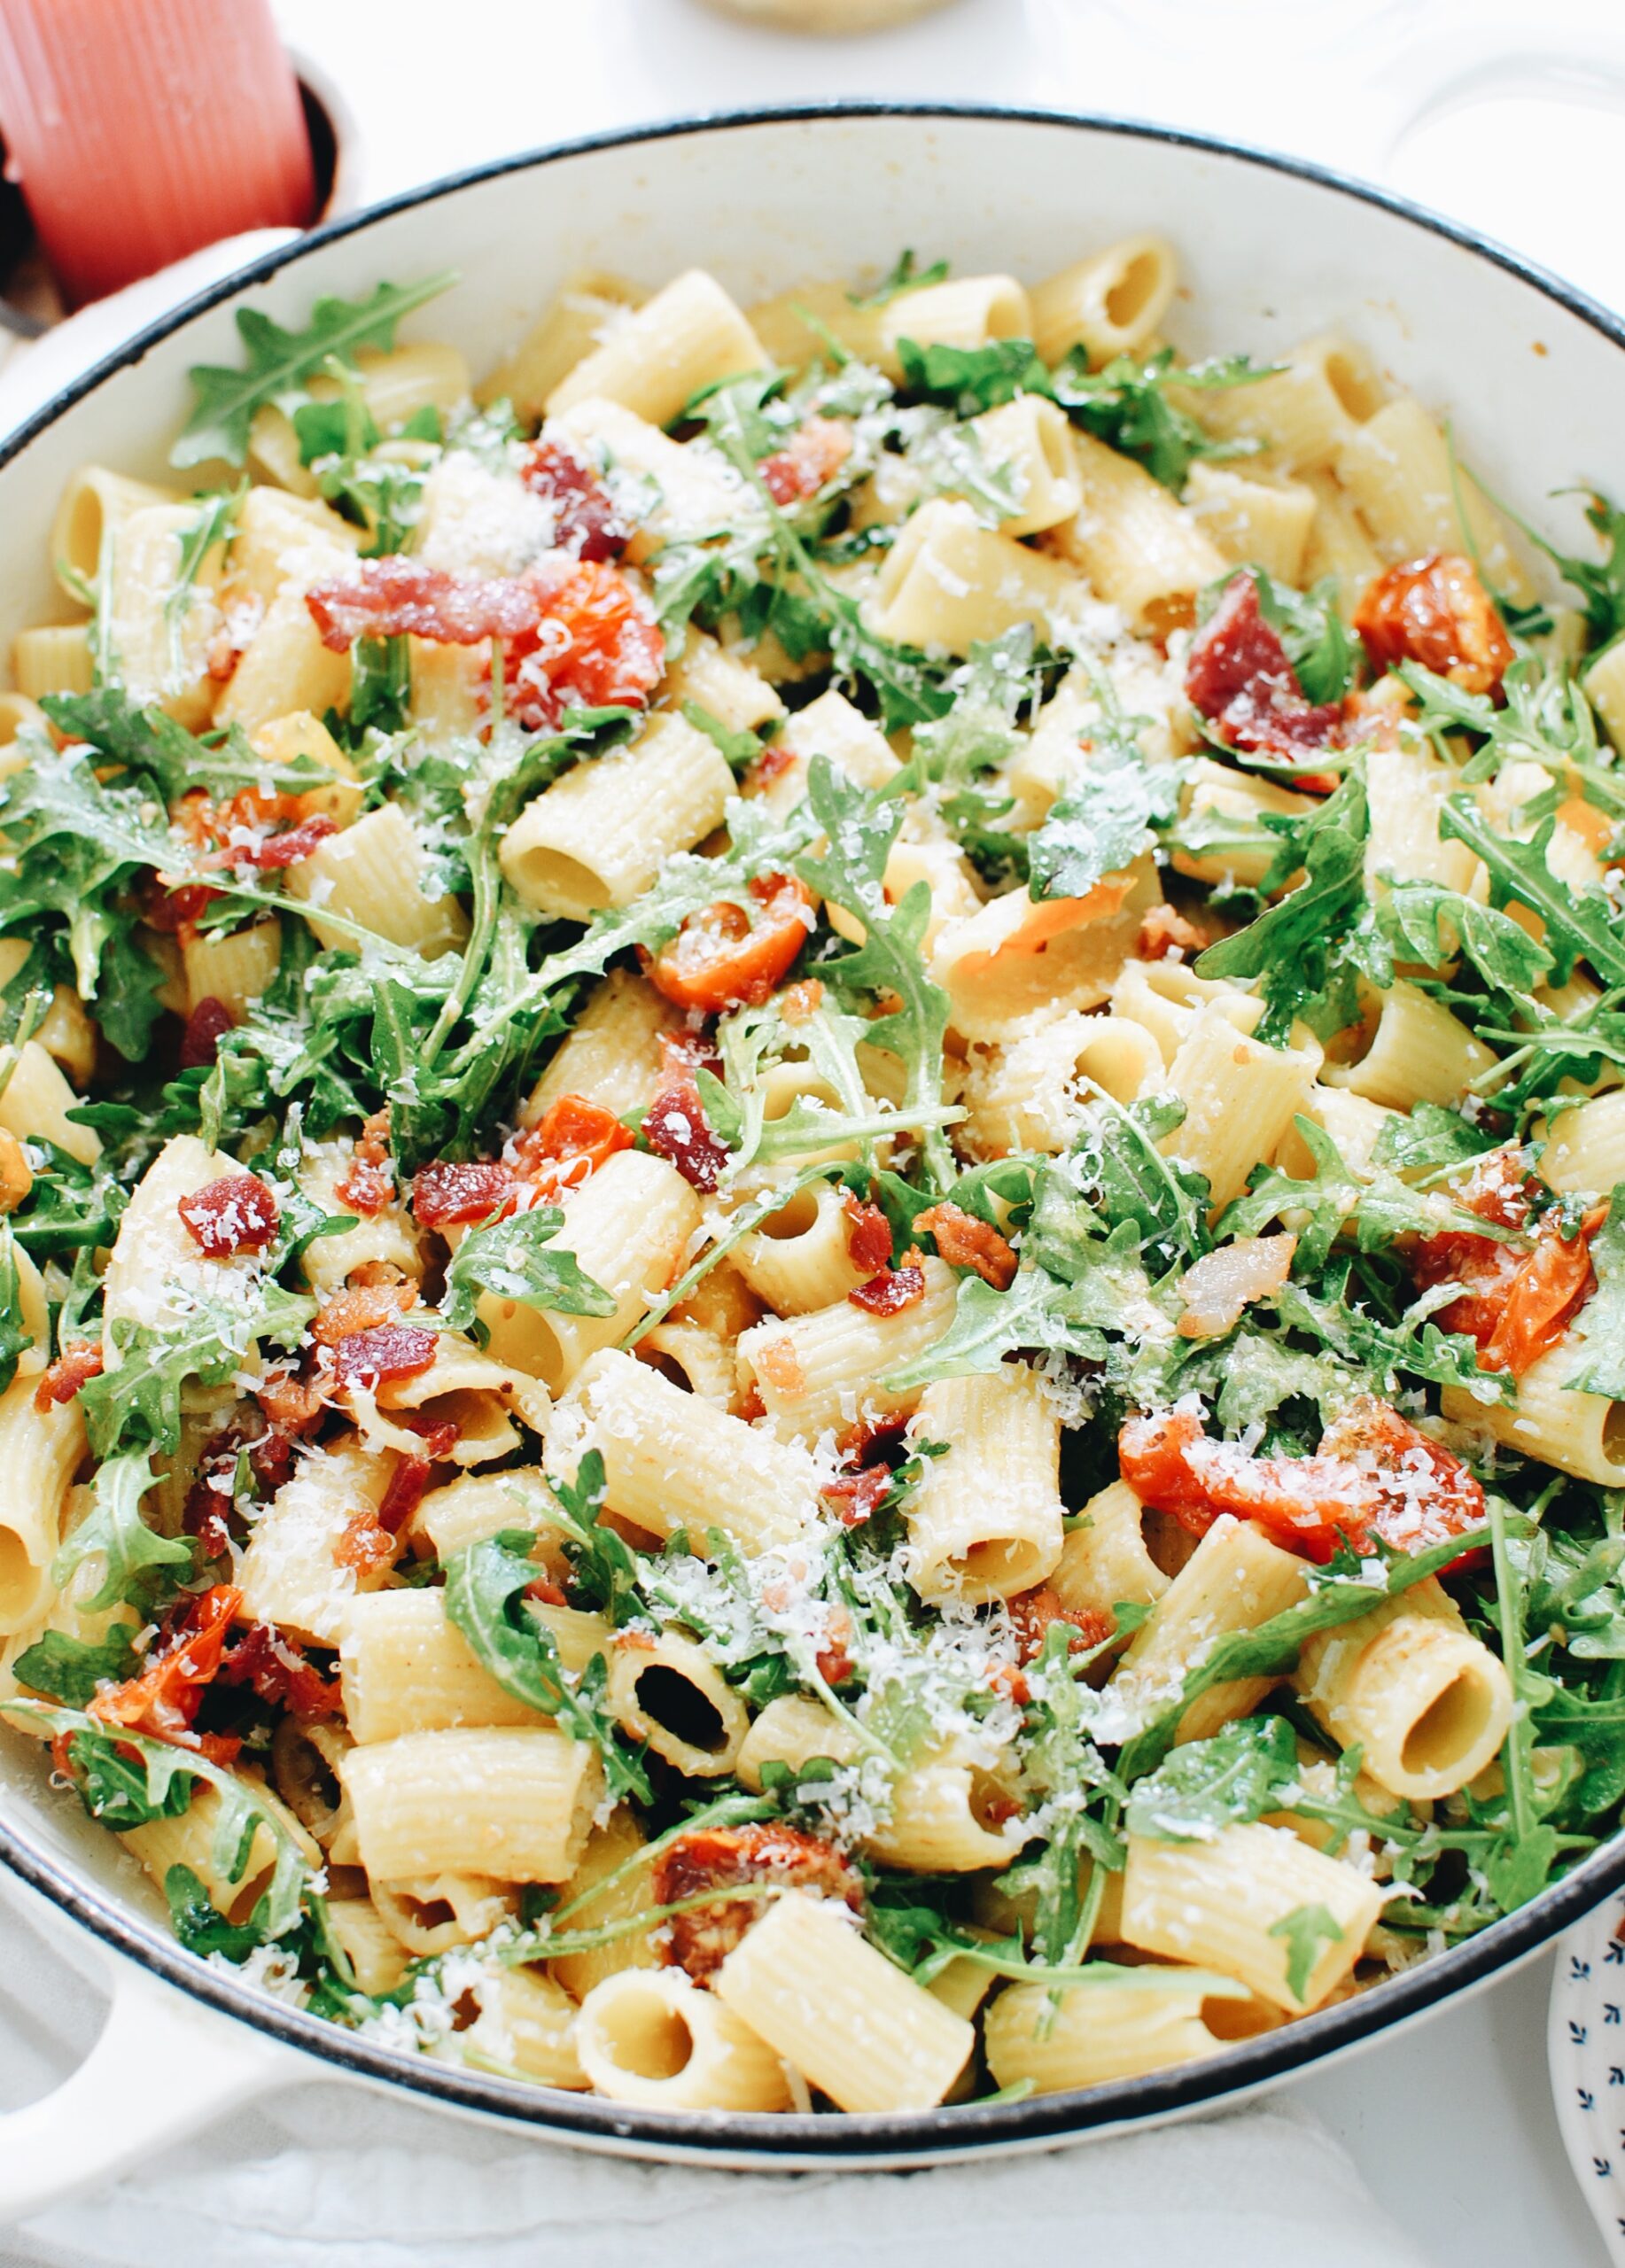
point(516, 1259)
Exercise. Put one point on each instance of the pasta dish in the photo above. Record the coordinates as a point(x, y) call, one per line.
point(813, 1185)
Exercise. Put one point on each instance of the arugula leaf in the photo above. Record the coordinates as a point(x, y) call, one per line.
point(739, 751)
point(1600, 582)
point(1238, 1775)
point(1381, 1205)
point(70, 1669)
point(974, 378)
point(1424, 922)
point(1037, 1311)
point(1520, 1865)
point(1128, 404)
point(120, 1790)
point(278, 361)
point(1601, 1322)
point(1306, 1929)
point(1581, 924)
point(138, 1398)
point(199, 1927)
point(15, 1337)
point(512, 1259)
point(605, 1568)
point(1122, 1155)
point(1313, 632)
point(114, 1535)
point(1295, 947)
point(485, 1584)
point(861, 825)
point(1099, 825)
point(905, 277)
point(1429, 1139)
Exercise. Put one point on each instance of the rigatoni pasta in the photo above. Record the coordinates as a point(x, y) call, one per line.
point(812, 1190)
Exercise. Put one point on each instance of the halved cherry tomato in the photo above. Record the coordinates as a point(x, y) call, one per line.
point(568, 1145)
point(733, 955)
point(1373, 1474)
point(163, 1700)
point(1434, 611)
point(1517, 1305)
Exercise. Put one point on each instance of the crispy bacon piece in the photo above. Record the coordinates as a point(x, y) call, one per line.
point(595, 644)
point(798, 1002)
point(733, 955)
point(61, 1381)
point(276, 850)
point(447, 1191)
point(176, 912)
point(279, 1674)
point(207, 1026)
point(966, 1242)
point(238, 1213)
point(394, 596)
point(1436, 611)
point(407, 1485)
point(725, 1857)
point(361, 1307)
point(1163, 931)
point(291, 1405)
point(587, 521)
point(858, 1496)
point(370, 1184)
point(1238, 678)
point(1374, 1474)
point(893, 1289)
point(868, 1234)
point(567, 1145)
point(365, 1547)
point(1031, 1613)
point(675, 1125)
point(813, 454)
point(163, 1700)
point(1517, 1305)
point(212, 1497)
point(389, 1350)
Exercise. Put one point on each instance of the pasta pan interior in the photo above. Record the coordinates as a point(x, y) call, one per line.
point(813, 1281)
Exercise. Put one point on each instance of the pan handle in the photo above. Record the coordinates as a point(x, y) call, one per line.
point(163, 2068)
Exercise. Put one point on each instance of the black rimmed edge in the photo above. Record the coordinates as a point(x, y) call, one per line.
point(913, 2137)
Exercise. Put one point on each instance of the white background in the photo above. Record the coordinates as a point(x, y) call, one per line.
point(1514, 120)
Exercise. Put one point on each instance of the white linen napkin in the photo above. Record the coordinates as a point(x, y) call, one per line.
point(330, 2176)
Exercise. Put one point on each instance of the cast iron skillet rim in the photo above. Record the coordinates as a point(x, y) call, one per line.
point(937, 2134)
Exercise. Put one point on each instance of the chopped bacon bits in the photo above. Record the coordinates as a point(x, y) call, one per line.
point(61, 1381)
point(367, 1358)
point(369, 1185)
point(207, 1026)
point(893, 1289)
point(1517, 1305)
point(964, 1241)
point(586, 521)
point(1163, 931)
point(1238, 678)
point(362, 1307)
point(858, 1496)
point(284, 850)
point(163, 1700)
point(675, 1126)
point(393, 597)
point(569, 1145)
point(1031, 1613)
point(1373, 1474)
point(725, 1857)
point(365, 1548)
point(798, 1002)
point(447, 1191)
point(734, 954)
point(279, 1674)
point(594, 643)
point(779, 1364)
point(238, 1213)
point(813, 454)
point(290, 1404)
point(868, 1234)
point(407, 1485)
point(1434, 611)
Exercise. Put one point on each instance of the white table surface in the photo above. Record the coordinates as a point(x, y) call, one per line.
point(1514, 125)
